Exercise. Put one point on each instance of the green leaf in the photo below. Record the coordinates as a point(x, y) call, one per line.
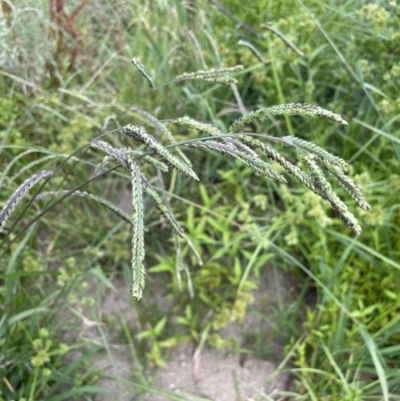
point(160, 325)
point(99, 274)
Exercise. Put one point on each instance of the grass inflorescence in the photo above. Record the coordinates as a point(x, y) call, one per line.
point(16, 197)
point(242, 148)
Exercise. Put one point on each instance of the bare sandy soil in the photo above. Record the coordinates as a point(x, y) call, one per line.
point(210, 374)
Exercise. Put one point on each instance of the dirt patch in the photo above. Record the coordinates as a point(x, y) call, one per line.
point(211, 374)
point(221, 377)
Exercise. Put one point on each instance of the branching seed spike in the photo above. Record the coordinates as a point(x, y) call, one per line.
point(290, 109)
point(138, 250)
point(142, 70)
point(16, 197)
point(141, 135)
point(219, 76)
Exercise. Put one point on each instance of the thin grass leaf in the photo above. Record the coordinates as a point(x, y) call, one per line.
point(12, 163)
point(30, 165)
point(284, 39)
point(253, 49)
point(141, 135)
point(376, 358)
point(77, 391)
point(378, 131)
point(194, 250)
point(117, 211)
point(289, 109)
point(334, 364)
point(19, 193)
point(138, 250)
point(180, 266)
point(27, 313)
point(99, 274)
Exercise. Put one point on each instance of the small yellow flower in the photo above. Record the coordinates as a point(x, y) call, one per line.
point(238, 310)
point(385, 106)
point(222, 318)
point(37, 343)
point(40, 358)
point(217, 341)
point(48, 345)
point(70, 262)
point(362, 180)
point(292, 238)
point(43, 333)
point(246, 297)
point(394, 182)
point(62, 277)
point(374, 217)
point(89, 301)
point(46, 372)
point(63, 349)
point(72, 298)
point(395, 71)
point(260, 201)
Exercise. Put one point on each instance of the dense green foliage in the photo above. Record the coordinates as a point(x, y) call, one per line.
point(54, 248)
